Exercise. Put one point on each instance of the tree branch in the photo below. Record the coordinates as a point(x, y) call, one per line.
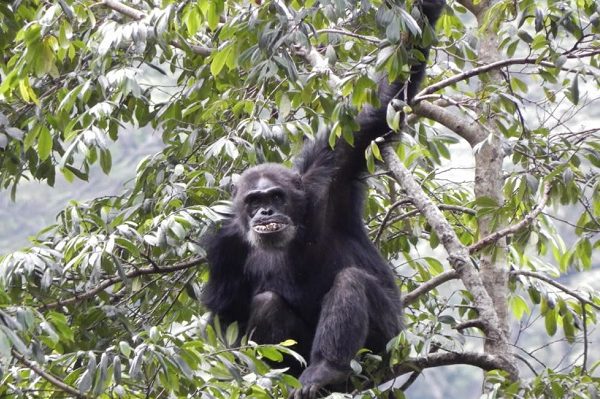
point(475, 323)
point(115, 279)
point(344, 32)
point(459, 257)
point(57, 382)
point(482, 360)
point(387, 216)
point(124, 9)
point(138, 15)
point(428, 285)
point(528, 219)
point(470, 5)
point(466, 129)
point(555, 284)
point(319, 64)
point(457, 208)
point(489, 67)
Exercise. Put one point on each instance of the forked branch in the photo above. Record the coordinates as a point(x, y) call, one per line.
point(527, 220)
point(458, 256)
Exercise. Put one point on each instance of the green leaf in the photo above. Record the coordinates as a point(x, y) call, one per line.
point(568, 327)
point(285, 106)
point(44, 147)
point(219, 59)
point(125, 348)
point(393, 117)
point(61, 326)
point(213, 14)
point(519, 306)
point(232, 334)
point(135, 368)
point(16, 341)
point(270, 353)
point(370, 162)
point(523, 35)
point(117, 369)
point(550, 322)
point(435, 266)
point(5, 346)
point(574, 90)
point(105, 161)
point(376, 152)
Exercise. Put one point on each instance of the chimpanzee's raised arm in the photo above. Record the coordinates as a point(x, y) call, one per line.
point(346, 162)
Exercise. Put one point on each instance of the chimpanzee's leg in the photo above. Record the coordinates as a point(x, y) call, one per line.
point(273, 321)
point(356, 306)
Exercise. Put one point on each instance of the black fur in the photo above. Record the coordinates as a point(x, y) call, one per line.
point(315, 276)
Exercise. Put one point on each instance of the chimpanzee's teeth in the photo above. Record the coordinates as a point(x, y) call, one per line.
point(268, 227)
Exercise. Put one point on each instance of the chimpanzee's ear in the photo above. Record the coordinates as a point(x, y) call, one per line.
point(233, 184)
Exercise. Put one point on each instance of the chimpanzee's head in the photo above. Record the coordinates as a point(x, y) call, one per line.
point(269, 203)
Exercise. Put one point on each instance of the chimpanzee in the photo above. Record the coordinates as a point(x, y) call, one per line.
point(294, 259)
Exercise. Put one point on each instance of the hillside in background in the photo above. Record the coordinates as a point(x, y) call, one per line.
point(37, 204)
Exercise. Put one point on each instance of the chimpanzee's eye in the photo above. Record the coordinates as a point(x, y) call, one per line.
point(278, 197)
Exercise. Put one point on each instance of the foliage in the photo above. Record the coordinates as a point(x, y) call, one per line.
point(105, 302)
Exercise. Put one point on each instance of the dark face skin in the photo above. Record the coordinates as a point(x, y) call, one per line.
point(265, 202)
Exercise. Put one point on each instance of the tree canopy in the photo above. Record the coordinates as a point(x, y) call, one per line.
point(487, 193)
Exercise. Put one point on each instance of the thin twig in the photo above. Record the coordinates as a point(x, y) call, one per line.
point(457, 208)
point(429, 285)
point(387, 216)
point(489, 67)
point(115, 279)
point(555, 284)
point(527, 220)
point(57, 382)
point(585, 339)
point(343, 32)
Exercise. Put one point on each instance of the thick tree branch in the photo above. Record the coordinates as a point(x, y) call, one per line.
point(319, 64)
point(459, 125)
point(115, 279)
point(57, 382)
point(556, 284)
point(475, 323)
point(528, 219)
point(458, 254)
point(482, 360)
point(138, 15)
point(428, 285)
point(124, 9)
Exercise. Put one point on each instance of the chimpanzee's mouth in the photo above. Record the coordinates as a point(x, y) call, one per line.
point(272, 227)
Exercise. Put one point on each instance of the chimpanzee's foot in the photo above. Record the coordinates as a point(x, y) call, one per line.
point(317, 376)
